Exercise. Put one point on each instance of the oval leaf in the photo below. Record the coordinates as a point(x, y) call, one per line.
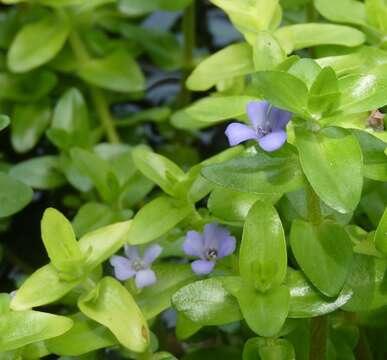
point(37, 43)
point(111, 305)
point(262, 256)
point(332, 162)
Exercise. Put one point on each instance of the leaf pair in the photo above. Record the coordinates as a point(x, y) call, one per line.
point(263, 300)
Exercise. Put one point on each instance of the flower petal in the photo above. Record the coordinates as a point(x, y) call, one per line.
point(279, 118)
point(151, 253)
point(131, 252)
point(273, 141)
point(193, 244)
point(257, 112)
point(227, 246)
point(213, 235)
point(145, 278)
point(202, 267)
point(122, 267)
point(237, 133)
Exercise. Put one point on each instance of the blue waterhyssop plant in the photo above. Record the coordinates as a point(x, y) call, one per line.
point(173, 188)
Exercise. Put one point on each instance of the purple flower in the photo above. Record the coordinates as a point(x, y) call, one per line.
point(268, 126)
point(133, 265)
point(215, 243)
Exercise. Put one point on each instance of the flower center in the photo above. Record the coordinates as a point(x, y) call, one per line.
point(263, 131)
point(212, 254)
point(137, 265)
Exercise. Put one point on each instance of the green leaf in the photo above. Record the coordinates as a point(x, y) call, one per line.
point(34, 351)
point(71, 115)
point(327, 245)
point(376, 12)
point(332, 162)
point(234, 206)
point(251, 17)
point(182, 120)
point(42, 172)
point(361, 60)
point(207, 302)
point(185, 328)
point(157, 298)
point(283, 90)
point(299, 36)
point(374, 158)
point(234, 60)
point(37, 43)
point(306, 301)
point(265, 313)
point(365, 91)
point(324, 96)
point(163, 47)
point(4, 122)
point(156, 218)
point(29, 121)
point(360, 284)
point(109, 304)
point(26, 87)
point(214, 109)
point(20, 328)
point(267, 51)
point(306, 70)
point(85, 336)
point(99, 171)
point(381, 234)
point(139, 7)
point(14, 195)
point(343, 11)
point(117, 72)
point(117, 155)
point(98, 246)
point(93, 215)
point(60, 243)
point(136, 189)
point(158, 168)
point(268, 349)
point(262, 255)
point(262, 173)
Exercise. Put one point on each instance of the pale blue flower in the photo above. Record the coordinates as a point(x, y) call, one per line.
point(268, 126)
point(215, 243)
point(134, 265)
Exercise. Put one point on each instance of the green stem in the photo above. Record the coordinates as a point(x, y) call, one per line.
point(363, 351)
point(97, 95)
point(318, 338)
point(313, 204)
point(189, 32)
point(105, 118)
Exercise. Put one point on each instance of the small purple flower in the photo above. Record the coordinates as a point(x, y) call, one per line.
point(268, 126)
point(215, 243)
point(133, 265)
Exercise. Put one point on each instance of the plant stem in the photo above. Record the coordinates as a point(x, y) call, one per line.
point(363, 351)
point(318, 338)
point(313, 204)
point(189, 31)
point(105, 118)
point(97, 95)
point(318, 325)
